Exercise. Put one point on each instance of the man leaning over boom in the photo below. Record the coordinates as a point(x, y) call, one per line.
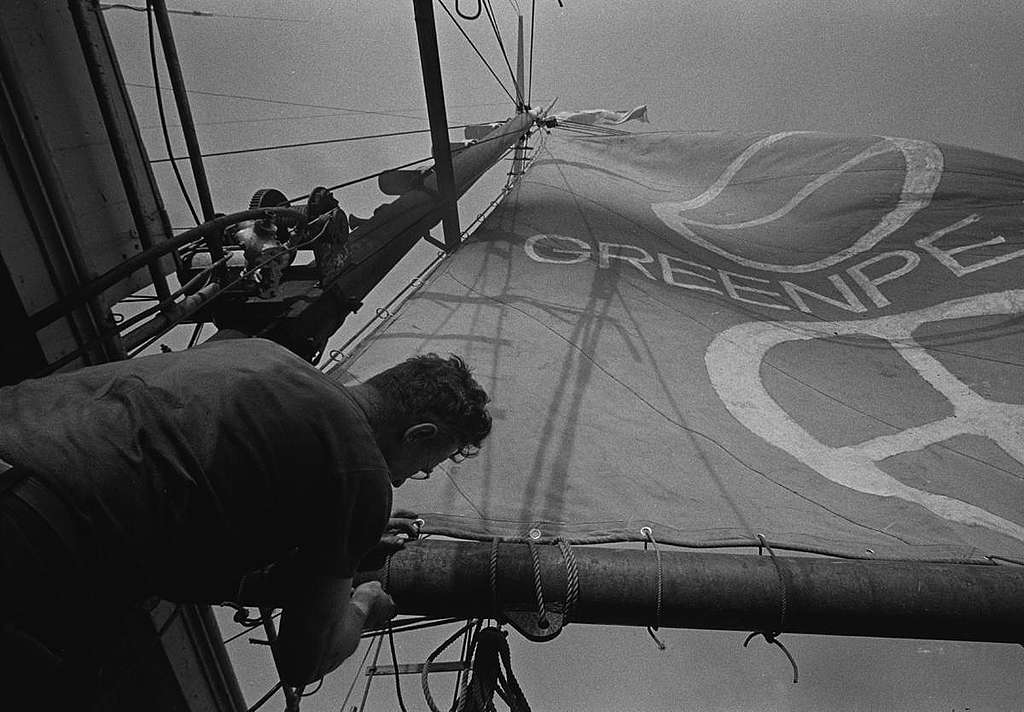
point(175, 475)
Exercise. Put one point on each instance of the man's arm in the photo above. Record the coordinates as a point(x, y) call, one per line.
point(321, 624)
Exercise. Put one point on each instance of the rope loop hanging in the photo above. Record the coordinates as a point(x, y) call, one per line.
point(541, 624)
point(464, 16)
point(772, 637)
point(648, 535)
point(542, 614)
point(425, 674)
point(491, 674)
point(572, 579)
point(493, 576)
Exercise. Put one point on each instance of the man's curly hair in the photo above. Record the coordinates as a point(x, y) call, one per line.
point(428, 388)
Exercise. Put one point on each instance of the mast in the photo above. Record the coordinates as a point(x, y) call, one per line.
point(519, 157)
point(426, 34)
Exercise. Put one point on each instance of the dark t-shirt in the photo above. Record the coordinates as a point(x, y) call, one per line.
point(187, 470)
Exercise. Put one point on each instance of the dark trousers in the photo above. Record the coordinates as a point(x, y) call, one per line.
point(53, 630)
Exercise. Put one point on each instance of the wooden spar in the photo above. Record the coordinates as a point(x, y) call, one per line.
point(426, 35)
point(741, 592)
point(378, 244)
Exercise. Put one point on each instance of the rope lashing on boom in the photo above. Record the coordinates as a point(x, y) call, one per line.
point(543, 625)
point(572, 579)
point(648, 535)
point(772, 637)
point(542, 613)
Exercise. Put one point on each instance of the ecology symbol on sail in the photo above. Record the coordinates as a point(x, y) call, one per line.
point(923, 162)
point(734, 361)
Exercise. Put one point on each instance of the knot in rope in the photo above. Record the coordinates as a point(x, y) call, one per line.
point(772, 637)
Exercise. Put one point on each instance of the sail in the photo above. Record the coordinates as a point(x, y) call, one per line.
point(809, 338)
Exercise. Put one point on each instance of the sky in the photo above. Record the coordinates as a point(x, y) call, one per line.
point(315, 70)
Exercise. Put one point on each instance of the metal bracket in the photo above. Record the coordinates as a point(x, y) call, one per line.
point(527, 624)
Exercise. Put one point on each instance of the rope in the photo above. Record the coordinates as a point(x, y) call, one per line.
point(163, 116)
point(241, 276)
point(265, 100)
point(479, 7)
point(572, 579)
point(501, 46)
point(424, 676)
point(355, 678)
point(394, 663)
point(493, 576)
point(492, 673)
point(542, 613)
point(772, 637)
point(478, 54)
point(263, 700)
point(649, 536)
point(369, 678)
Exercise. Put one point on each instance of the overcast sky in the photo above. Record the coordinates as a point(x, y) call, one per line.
point(933, 69)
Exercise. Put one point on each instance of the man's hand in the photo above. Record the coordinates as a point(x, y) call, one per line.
point(377, 604)
point(403, 526)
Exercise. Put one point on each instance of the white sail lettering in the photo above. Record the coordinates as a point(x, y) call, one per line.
point(669, 272)
point(734, 363)
point(606, 255)
point(851, 303)
point(734, 289)
point(581, 253)
point(924, 164)
point(945, 256)
point(870, 285)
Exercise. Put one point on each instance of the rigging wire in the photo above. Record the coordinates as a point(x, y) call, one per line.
point(501, 46)
point(308, 143)
point(478, 54)
point(533, 24)
point(245, 273)
point(369, 678)
point(163, 115)
point(338, 355)
point(394, 663)
point(287, 103)
point(355, 678)
point(198, 13)
point(263, 700)
point(404, 165)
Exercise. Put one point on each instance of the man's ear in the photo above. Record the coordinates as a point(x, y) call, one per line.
point(420, 431)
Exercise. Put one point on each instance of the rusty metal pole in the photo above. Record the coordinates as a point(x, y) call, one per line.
point(426, 34)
